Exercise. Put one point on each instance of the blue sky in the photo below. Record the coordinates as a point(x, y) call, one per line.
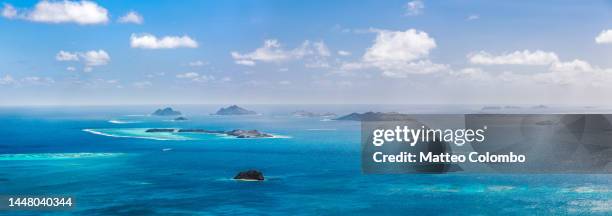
point(203, 52)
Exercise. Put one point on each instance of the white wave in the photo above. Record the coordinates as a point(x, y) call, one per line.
point(499, 188)
point(94, 131)
point(122, 122)
point(276, 136)
point(324, 120)
point(138, 183)
point(54, 156)
point(591, 206)
point(588, 189)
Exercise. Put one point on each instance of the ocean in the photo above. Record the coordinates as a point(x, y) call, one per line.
point(101, 156)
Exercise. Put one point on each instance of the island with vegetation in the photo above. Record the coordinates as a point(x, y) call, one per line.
point(235, 110)
point(168, 111)
point(238, 133)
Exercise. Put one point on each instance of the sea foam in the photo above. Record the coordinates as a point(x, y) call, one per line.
point(55, 156)
point(138, 133)
point(122, 122)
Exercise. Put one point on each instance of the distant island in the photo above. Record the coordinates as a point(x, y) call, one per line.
point(306, 114)
point(168, 111)
point(376, 116)
point(511, 107)
point(180, 118)
point(491, 108)
point(540, 107)
point(238, 133)
point(235, 110)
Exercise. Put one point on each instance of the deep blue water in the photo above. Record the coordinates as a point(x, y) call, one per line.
point(314, 168)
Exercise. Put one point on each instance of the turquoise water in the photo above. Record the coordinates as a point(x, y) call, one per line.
point(101, 156)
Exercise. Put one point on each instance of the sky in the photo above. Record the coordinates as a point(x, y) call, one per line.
point(305, 52)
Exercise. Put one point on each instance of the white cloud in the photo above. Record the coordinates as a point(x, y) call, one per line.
point(604, 37)
point(414, 8)
point(471, 74)
point(131, 17)
point(322, 49)
point(398, 54)
point(66, 56)
point(524, 57)
point(158, 74)
point(29, 80)
point(399, 46)
point(9, 11)
point(197, 63)
point(142, 84)
point(245, 62)
point(285, 82)
point(188, 75)
point(405, 69)
point(317, 64)
point(344, 53)
point(472, 17)
point(272, 51)
point(576, 72)
point(34, 80)
point(149, 41)
point(80, 12)
point(95, 58)
point(70, 68)
point(7, 80)
point(196, 77)
point(90, 58)
point(575, 65)
point(204, 78)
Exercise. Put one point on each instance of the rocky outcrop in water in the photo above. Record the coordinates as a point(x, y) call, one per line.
point(168, 111)
point(234, 110)
point(250, 175)
point(181, 118)
point(160, 130)
point(247, 134)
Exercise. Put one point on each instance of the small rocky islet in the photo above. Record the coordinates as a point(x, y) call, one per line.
point(180, 118)
point(250, 175)
point(238, 133)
